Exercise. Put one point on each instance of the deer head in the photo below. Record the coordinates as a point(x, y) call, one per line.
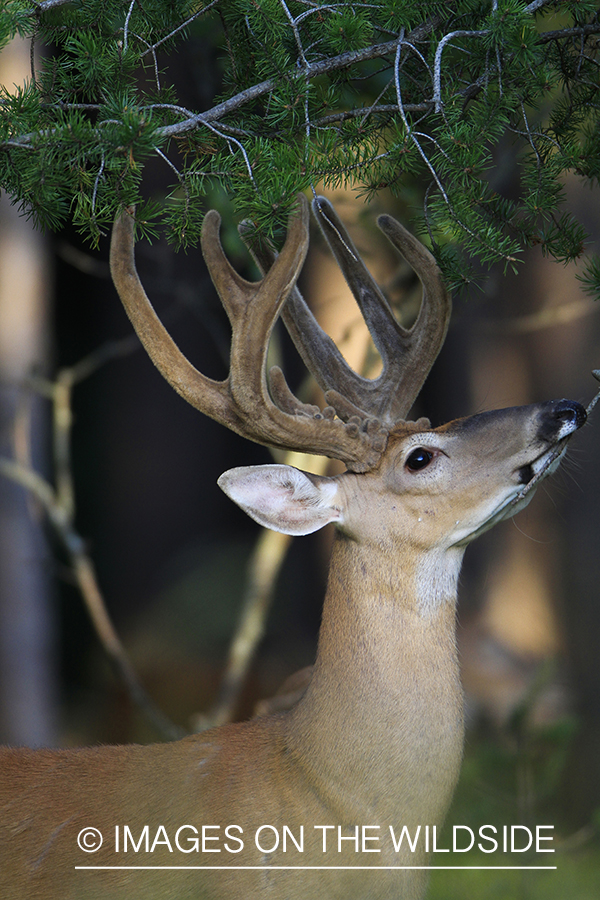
point(364, 424)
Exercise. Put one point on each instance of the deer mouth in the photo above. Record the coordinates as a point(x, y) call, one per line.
point(530, 476)
point(549, 461)
point(545, 464)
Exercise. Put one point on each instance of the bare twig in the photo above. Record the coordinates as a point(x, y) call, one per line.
point(364, 112)
point(85, 576)
point(553, 454)
point(594, 401)
point(59, 505)
point(264, 566)
point(297, 38)
point(537, 4)
point(437, 71)
point(46, 5)
point(181, 27)
point(126, 25)
point(409, 133)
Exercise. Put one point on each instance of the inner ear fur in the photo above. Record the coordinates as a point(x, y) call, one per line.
point(283, 498)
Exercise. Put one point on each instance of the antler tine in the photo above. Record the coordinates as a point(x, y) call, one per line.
point(424, 340)
point(318, 351)
point(242, 402)
point(407, 354)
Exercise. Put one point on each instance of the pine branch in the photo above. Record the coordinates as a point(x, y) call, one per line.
point(307, 102)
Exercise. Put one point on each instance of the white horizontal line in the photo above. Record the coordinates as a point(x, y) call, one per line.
point(262, 868)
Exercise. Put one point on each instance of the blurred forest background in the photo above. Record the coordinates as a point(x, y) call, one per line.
point(172, 553)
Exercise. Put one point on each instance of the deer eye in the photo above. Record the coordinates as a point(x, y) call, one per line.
point(419, 459)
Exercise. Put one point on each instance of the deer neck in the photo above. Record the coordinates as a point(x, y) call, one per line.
point(381, 723)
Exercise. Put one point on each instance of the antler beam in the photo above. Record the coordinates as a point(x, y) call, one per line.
point(242, 401)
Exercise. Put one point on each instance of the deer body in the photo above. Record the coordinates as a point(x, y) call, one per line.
point(356, 750)
point(375, 742)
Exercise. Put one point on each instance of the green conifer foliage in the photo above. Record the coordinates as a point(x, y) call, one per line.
point(384, 94)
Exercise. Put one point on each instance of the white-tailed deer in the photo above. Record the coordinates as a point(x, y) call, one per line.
point(375, 742)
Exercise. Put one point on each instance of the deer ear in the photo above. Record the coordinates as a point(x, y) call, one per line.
point(283, 498)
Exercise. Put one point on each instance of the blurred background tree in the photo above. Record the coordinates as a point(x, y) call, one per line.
point(477, 123)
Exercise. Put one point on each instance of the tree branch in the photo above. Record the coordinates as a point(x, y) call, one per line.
point(87, 582)
point(561, 34)
point(59, 506)
point(335, 63)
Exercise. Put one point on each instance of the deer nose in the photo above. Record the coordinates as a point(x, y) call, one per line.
point(558, 419)
point(570, 413)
